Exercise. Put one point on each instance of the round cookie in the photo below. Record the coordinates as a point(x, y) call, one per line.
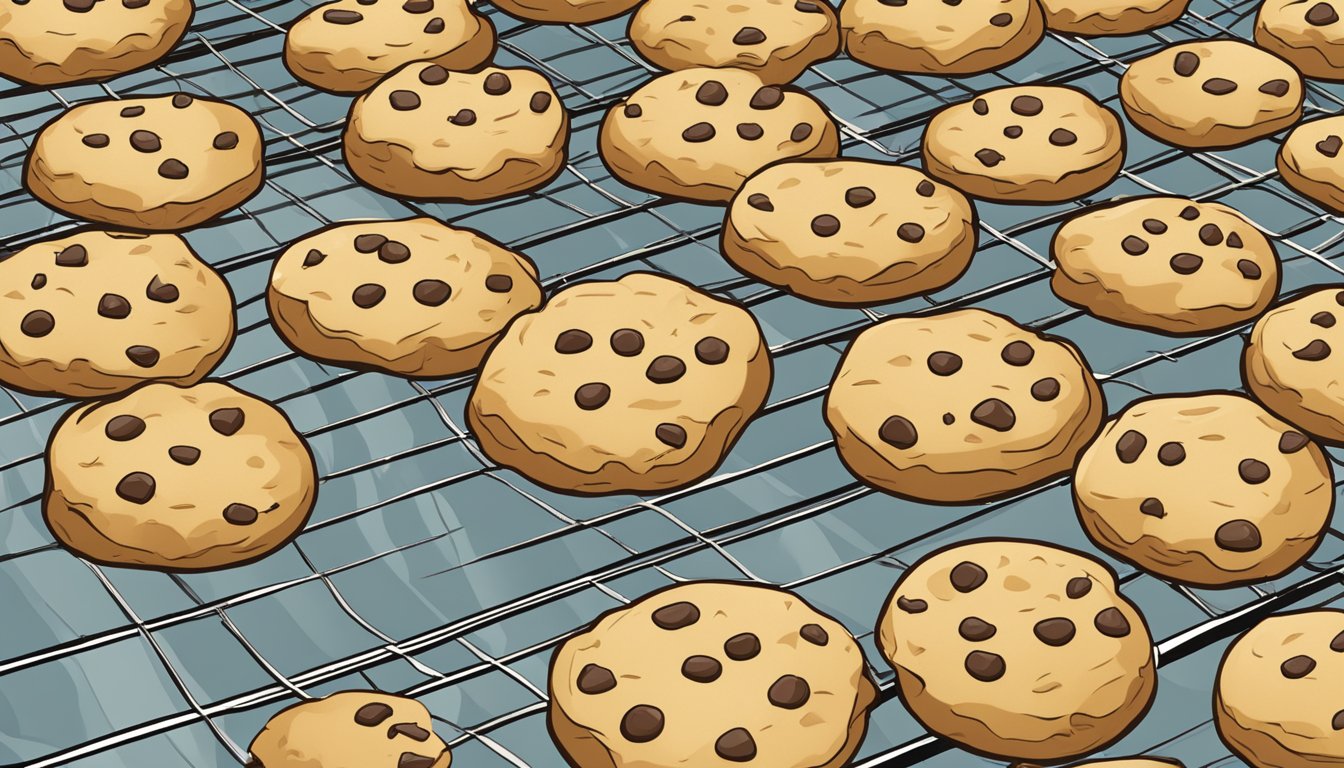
point(849, 231)
point(1307, 33)
point(49, 42)
point(347, 46)
point(1211, 94)
point(1290, 363)
point(1018, 649)
point(711, 674)
point(1133, 762)
point(1025, 144)
point(776, 39)
point(1205, 489)
point(699, 133)
point(564, 11)
point(177, 478)
point(960, 406)
point(642, 384)
point(413, 297)
point(1095, 18)
point(96, 313)
point(1277, 702)
point(947, 37)
point(155, 163)
point(1165, 263)
point(1309, 161)
point(351, 729)
point(424, 132)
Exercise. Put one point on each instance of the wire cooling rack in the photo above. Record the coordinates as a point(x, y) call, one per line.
point(426, 570)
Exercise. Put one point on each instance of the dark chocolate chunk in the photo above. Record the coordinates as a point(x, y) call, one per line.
point(1186, 64)
point(749, 36)
point(1297, 667)
point(184, 454)
point(37, 323)
point(676, 615)
point(711, 93)
point(1111, 623)
point(124, 427)
point(642, 723)
point(137, 487)
point(1045, 390)
point(789, 692)
point(1315, 351)
point(373, 714)
point(899, 432)
point(1055, 632)
point(701, 669)
point(1152, 508)
point(711, 350)
point(742, 647)
point(967, 577)
point(1292, 442)
point(432, 293)
point(995, 414)
point(592, 396)
point(403, 100)
point(736, 746)
point(114, 307)
point(627, 342)
point(1238, 536)
point(497, 84)
point(143, 355)
point(670, 434)
point(665, 369)
point(594, 679)
point(944, 363)
point(985, 667)
point(227, 421)
point(174, 169)
point(700, 132)
point(368, 295)
point(976, 629)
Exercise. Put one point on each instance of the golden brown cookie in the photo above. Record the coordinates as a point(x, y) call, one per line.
point(565, 11)
point(1306, 33)
point(1291, 362)
point(351, 729)
point(65, 41)
point(946, 37)
point(1094, 18)
point(1309, 161)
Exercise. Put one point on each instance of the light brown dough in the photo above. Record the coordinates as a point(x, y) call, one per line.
point(1307, 33)
point(351, 729)
point(565, 11)
point(1291, 362)
point(51, 42)
point(1309, 161)
point(1094, 18)
point(941, 37)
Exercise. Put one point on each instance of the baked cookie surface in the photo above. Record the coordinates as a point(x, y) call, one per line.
point(1025, 144)
point(177, 478)
point(711, 674)
point(699, 133)
point(1206, 489)
point(565, 11)
point(940, 37)
point(776, 39)
point(1309, 161)
point(1307, 33)
point(960, 406)
point(154, 163)
point(1290, 363)
point(351, 729)
point(1277, 702)
point(1093, 18)
point(1165, 263)
point(347, 46)
point(849, 231)
point(52, 42)
point(1018, 649)
point(414, 297)
point(99, 312)
point(641, 384)
point(1212, 93)
point(425, 132)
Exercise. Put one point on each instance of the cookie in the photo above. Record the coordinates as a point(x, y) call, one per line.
point(351, 729)
point(1290, 364)
point(1277, 702)
point(1025, 144)
point(565, 11)
point(1167, 264)
point(347, 46)
point(1211, 94)
point(1133, 762)
point(849, 231)
point(699, 133)
point(1096, 18)
point(177, 478)
point(96, 313)
point(642, 384)
point(414, 297)
point(711, 674)
point(428, 133)
point(1309, 161)
point(776, 39)
point(951, 37)
point(1206, 489)
point(1307, 33)
point(155, 163)
point(1018, 649)
point(960, 406)
point(50, 43)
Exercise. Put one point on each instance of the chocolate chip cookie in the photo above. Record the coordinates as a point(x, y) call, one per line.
point(1306, 33)
point(642, 384)
point(1291, 362)
point(177, 478)
point(699, 133)
point(1277, 702)
point(776, 39)
point(155, 163)
point(849, 231)
point(351, 729)
point(98, 312)
point(1168, 264)
point(1018, 649)
point(564, 11)
point(49, 43)
point(711, 674)
point(1094, 18)
point(1211, 94)
point(346, 46)
point(1133, 762)
point(425, 132)
point(1309, 161)
point(960, 406)
point(1207, 489)
point(413, 297)
point(947, 37)
point(1025, 144)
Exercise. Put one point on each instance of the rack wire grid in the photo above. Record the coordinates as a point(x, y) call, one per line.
point(428, 571)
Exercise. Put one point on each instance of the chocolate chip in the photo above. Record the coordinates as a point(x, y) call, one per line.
point(79, 6)
point(910, 232)
point(134, 4)
point(1186, 263)
point(1154, 227)
point(749, 36)
point(711, 93)
point(1045, 390)
point(633, 111)
point(944, 363)
point(995, 414)
point(373, 714)
point(859, 197)
point(172, 168)
point(825, 225)
point(418, 6)
point(145, 141)
point(1134, 246)
point(1316, 351)
point(499, 283)
point(124, 427)
point(750, 131)
point(985, 667)
point(1111, 623)
point(368, 295)
point(665, 369)
point(1062, 137)
point(1171, 454)
point(1252, 471)
point(1292, 442)
point(96, 140)
point(700, 132)
point(463, 117)
point(434, 26)
point(403, 100)
point(497, 84)
point(949, 419)
point(1186, 64)
point(1233, 240)
point(701, 669)
point(899, 432)
point(433, 75)
point(742, 647)
point(1013, 131)
point(227, 421)
point(1027, 106)
point(976, 630)
point(1248, 269)
point(132, 111)
point(1078, 587)
point(676, 615)
point(184, 454)
point(912, 606)
point(711, 350)
point(1329, 146)
point(1337, 645)
point(1210, 234)
point(642, 723)
point(1001, 19)
point(240, 514)
point(592, 396)
point(1218, 86)
point(412, 760)
point(72, 256)
point(137, 487)
point(1323, 319)
point(540, 102)
point(181, 100)
point(1055, 632)
point(1189, 213)
point(627, 342)
point(393, 252)
point(1130, 446)
point(114, 307)
point(967, 577)
point(789, 692)
point(39, 281)
point(736, 746)
point(1297, 667)
point(1274, 87)
point(1238, 536)
point(225, 140)
point(313, 258)
point(760, 202)
point(142, 355)
point(432, 293)
point(1321, 14)
point(671, 435)
point(369, 243)
point(767, 97)
point(989, 158)
point(37, 323)
point(594, 679)
point(409, 730)
point(980, 107)
point(1018, 353)
point(800, 132)
point(336, 16)
point(1152, 508)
